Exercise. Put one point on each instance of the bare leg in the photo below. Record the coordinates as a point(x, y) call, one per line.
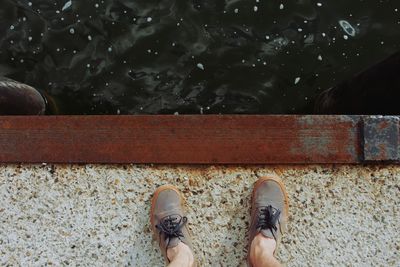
point(180, 256)
point(262, 252)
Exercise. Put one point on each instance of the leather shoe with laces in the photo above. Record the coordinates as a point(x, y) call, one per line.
point(269, 210)
point(167, 218)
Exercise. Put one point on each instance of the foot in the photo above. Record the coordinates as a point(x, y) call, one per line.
point(169, 223)
point(269, 212)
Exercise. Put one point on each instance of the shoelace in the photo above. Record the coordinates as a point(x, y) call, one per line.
point(171, 227)
point(268, 218)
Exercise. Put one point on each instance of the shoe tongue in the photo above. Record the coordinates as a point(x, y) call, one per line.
point(267, 233)
point(173, 242)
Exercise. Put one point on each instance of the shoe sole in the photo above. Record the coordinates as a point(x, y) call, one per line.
point(285, 213)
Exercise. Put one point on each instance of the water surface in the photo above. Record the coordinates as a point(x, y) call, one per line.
point(192, 57)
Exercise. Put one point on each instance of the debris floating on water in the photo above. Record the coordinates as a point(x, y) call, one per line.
point(200, 66)
point(149, 19)
point(319, 57)
point(347, 27)
point(67, 5)
point(297, 80)
point(281, 7)
point(236, 10)
point(255, 8)
point(72, 31)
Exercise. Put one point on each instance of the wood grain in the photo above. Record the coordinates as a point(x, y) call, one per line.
point(191, 139)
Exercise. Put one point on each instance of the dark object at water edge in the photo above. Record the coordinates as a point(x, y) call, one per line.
point(375, 91)
point(20, 99)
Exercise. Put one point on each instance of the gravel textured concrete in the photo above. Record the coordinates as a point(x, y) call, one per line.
point(90, 215)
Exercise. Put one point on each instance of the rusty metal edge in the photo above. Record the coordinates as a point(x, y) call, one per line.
point(381, 138)
point(354, 144)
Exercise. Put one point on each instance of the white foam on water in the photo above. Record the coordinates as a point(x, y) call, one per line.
point(347, 27)
point(67, 5)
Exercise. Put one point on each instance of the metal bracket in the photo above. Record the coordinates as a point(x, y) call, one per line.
point(381, 138)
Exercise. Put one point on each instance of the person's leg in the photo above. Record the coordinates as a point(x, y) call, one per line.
point(269, 214)
point(262, 252)
point(169, 227)
point(180, 256)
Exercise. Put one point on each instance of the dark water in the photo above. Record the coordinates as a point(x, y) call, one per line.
point(212, 56)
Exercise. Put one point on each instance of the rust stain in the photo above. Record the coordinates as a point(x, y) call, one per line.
point(330, 138)
point(381, 138)
point(383, 125)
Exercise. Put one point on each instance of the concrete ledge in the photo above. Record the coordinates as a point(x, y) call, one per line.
point(98, 215)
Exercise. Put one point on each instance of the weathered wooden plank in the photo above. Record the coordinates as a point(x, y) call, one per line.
point(180, 139)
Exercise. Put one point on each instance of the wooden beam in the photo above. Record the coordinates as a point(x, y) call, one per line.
point(210, 139)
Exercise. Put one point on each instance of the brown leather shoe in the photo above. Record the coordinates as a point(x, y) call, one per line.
point(167, 219)
point(269, 210)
